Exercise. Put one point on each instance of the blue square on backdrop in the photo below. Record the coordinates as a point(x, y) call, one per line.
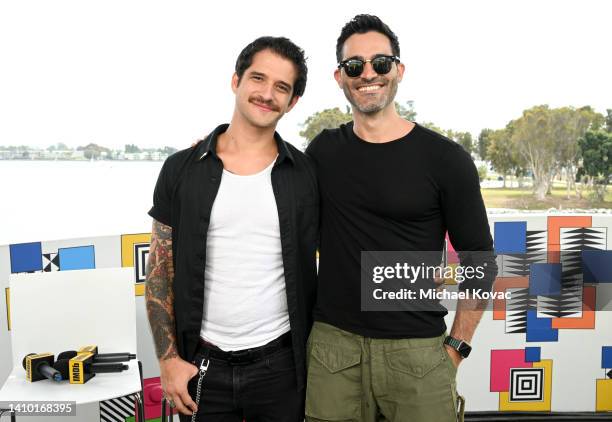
point(597, 266)
point(26, 257)
point(606, 357)
point(510, 236)
point(540, 329)
point(533, 354)
point(545, 279)
point(77, 258)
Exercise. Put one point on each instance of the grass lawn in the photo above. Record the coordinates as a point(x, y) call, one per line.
point(524, 199)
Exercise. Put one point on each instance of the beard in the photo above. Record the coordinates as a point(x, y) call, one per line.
point(372, 105)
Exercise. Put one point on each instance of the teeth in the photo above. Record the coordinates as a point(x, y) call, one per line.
point(369, 88)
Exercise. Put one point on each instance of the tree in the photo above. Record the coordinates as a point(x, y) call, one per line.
point(60, 146)
point(432, 126)
point(93, 151)
point(327, 119)
point(569, 125)
point(406, 112)
point(131, 149)
point(462, 138)
point(596, 148)
point(609, 120)
point(533, 135)
point(482, 172)
point(483, 143)
point(466, 141)
point(500, 152)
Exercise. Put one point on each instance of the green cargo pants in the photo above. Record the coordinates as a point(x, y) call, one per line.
point(355, 378)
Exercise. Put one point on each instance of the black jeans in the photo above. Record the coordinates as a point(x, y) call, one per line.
point(263, 391)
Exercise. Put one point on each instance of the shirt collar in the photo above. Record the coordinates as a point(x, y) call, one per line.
point(208, 146)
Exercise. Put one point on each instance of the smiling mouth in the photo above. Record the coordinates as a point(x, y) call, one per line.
point(369, 88)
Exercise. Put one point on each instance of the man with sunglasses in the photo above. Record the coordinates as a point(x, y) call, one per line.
point(231, 274)
point(388, 184)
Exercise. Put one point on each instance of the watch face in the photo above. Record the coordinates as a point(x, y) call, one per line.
point(465, 349)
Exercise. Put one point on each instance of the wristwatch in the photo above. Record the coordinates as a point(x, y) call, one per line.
point(461, 346)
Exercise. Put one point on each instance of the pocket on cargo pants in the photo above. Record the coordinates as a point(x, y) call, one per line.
point(420, 382)
point(333, 391)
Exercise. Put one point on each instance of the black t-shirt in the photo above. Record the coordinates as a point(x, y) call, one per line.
point(402, 195)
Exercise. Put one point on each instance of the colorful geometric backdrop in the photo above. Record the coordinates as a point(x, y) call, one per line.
point(545, 349)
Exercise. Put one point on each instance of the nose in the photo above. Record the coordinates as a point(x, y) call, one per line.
point(267, 92)
point(368, 71)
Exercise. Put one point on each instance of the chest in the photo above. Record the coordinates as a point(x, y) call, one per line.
point(244, 204)
point(399, 184)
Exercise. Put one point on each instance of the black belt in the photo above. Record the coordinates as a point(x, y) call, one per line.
point(246, 356)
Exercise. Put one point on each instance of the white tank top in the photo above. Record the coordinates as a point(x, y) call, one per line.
point(245, 302)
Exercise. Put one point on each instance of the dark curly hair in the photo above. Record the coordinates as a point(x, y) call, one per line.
point(284, 48)
point(361, 24)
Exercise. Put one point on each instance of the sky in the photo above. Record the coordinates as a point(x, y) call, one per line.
point(158, 73)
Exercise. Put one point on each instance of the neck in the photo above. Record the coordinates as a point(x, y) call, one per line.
point(244, 138)
point(383, 126)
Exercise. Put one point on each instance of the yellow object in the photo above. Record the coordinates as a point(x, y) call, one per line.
point(127, 254)
point(127, 247)
point(88, 349)
point(76, 367)
point(604, 395)
point(38, 358)
point(505, 405)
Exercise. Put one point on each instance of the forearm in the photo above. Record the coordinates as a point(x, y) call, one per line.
point(468, 315)
point(159, 295)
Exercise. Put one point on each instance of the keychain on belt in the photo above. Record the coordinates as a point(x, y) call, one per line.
point(203, 369)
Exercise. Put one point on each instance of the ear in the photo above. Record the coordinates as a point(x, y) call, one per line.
point(400, 71)
point(235, 82)
point(292, 103)
point(338, 76)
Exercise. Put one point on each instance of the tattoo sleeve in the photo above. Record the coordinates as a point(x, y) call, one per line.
point(159, 295)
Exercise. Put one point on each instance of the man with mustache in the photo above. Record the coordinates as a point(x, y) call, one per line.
point(231, 275)
point(388, 184)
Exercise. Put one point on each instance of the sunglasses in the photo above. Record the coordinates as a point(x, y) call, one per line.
point(380, 64)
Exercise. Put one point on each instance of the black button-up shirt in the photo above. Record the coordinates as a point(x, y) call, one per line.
point(184, 195)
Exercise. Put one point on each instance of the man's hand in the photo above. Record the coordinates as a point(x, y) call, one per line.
point(454, 355)
point(175, 373)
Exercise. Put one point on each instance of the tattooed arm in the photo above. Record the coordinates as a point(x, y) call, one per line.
point(175, 373)
point(158, 291)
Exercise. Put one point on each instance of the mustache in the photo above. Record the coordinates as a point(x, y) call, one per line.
point(258, 99)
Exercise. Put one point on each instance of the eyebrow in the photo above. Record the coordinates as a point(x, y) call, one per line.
point(263, 75)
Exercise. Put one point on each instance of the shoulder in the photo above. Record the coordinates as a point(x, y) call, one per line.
point(329, 139)
point(443, 147)
point(174, 164)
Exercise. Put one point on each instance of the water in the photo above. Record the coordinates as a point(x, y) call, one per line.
point(47, 200)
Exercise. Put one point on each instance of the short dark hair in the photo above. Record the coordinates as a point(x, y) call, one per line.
point(361, 24)
point(282, 46)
